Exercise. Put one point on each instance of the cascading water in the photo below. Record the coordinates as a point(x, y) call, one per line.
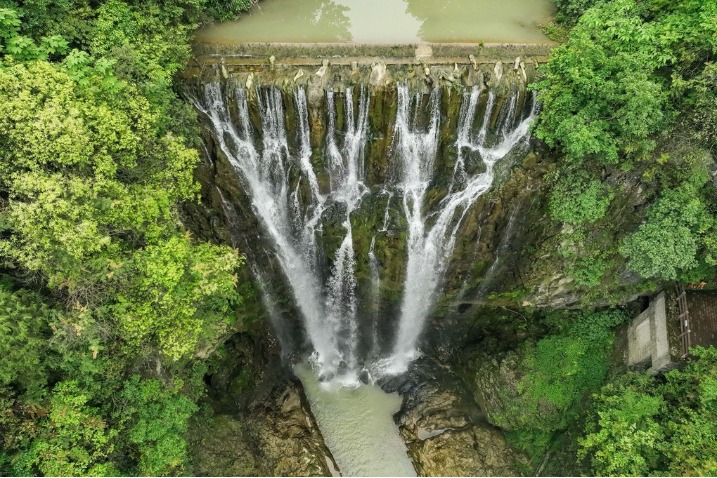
point(283, 179)
point(330, 311)
point(346, 176)
point(430, 248)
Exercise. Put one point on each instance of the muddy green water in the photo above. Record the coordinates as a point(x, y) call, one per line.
point(386, 21)
point(357, 424)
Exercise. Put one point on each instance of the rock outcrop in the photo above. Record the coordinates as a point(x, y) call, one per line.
point(276, 435)
point(445, 431)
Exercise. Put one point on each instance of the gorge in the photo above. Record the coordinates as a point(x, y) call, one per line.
point(353, 237)
point(350, 187)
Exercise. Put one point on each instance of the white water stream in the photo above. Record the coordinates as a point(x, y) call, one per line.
point(284, 188)
point(293, 216)
point(430, 246)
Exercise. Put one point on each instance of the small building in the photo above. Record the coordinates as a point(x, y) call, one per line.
point(647, 337)
point(671, 326)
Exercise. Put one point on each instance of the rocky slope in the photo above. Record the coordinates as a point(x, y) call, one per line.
point(445, 431)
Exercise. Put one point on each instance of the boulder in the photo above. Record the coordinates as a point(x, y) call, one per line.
point(445, 432)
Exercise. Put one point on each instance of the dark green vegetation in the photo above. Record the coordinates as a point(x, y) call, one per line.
point(629, 111)
point(629, 103)
point(644, 426)
point(537, 389)
point(107, 305)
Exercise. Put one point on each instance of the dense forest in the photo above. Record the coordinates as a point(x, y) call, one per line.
point(111, 312)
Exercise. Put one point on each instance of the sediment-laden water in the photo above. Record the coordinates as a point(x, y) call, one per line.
point(386, 22)
point(357, 425)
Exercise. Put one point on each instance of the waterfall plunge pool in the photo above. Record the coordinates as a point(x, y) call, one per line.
point(357, 425)
point(386, 22)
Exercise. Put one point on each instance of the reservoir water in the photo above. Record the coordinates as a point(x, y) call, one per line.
point(386, 22)
point(357, 424)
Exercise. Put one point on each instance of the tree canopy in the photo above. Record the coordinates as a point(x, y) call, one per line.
point(98, 276)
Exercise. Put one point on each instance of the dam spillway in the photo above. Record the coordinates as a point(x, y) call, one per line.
point(349, 187)
point(357, 179)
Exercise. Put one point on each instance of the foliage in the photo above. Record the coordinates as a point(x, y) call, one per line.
point(76, 168)
point(601, 98)
point(76, 440)
point(178, 294)
point(99, 278)
point(576, 199)
point(555, 375)
point(631, 96)
point(641, 426)
point(156, 420)
point(22, 47)
point(589, 271)
point(569, 11)
point(557, 371)
point(563, 366)
point(678, 226)
point(23, 337)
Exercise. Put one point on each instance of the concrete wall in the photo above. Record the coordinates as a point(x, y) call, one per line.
point(647, 336)
point(257, 57)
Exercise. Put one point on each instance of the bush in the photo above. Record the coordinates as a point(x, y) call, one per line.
point(679, 225)
point(601, 97)
point(569, 11)
point(576, 199)
point(641, 426)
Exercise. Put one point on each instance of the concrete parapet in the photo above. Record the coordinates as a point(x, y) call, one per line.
point(235, 57)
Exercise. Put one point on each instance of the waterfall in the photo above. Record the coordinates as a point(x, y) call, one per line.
point(430, 248)
point(305, 201)
point(375, 295)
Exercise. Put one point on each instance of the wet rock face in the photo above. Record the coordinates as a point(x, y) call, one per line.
point(287, 435)
point(220, 447)
point(477, 451)
point(444, 429)
point(495, 388)
point(275, 436)
point(259, 422)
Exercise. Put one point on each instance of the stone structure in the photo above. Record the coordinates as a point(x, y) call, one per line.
point(647, 336)
point(258, 57)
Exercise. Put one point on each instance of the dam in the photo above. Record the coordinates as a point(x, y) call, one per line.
point(353, 176)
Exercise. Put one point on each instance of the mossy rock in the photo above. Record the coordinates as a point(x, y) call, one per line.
point(496, 384)
point(219, 446)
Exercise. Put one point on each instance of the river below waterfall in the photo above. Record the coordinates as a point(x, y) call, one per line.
point(358, 427)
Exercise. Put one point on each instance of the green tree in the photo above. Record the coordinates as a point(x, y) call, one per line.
point(642, 426)
point(569, 11)
point(23, 339)
point(76, 441)
point(178, 295)
point(576, 199)
point(601, 97)
point(679, 226)
point(156, 422)
point(626, 434)
point(95, 155)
